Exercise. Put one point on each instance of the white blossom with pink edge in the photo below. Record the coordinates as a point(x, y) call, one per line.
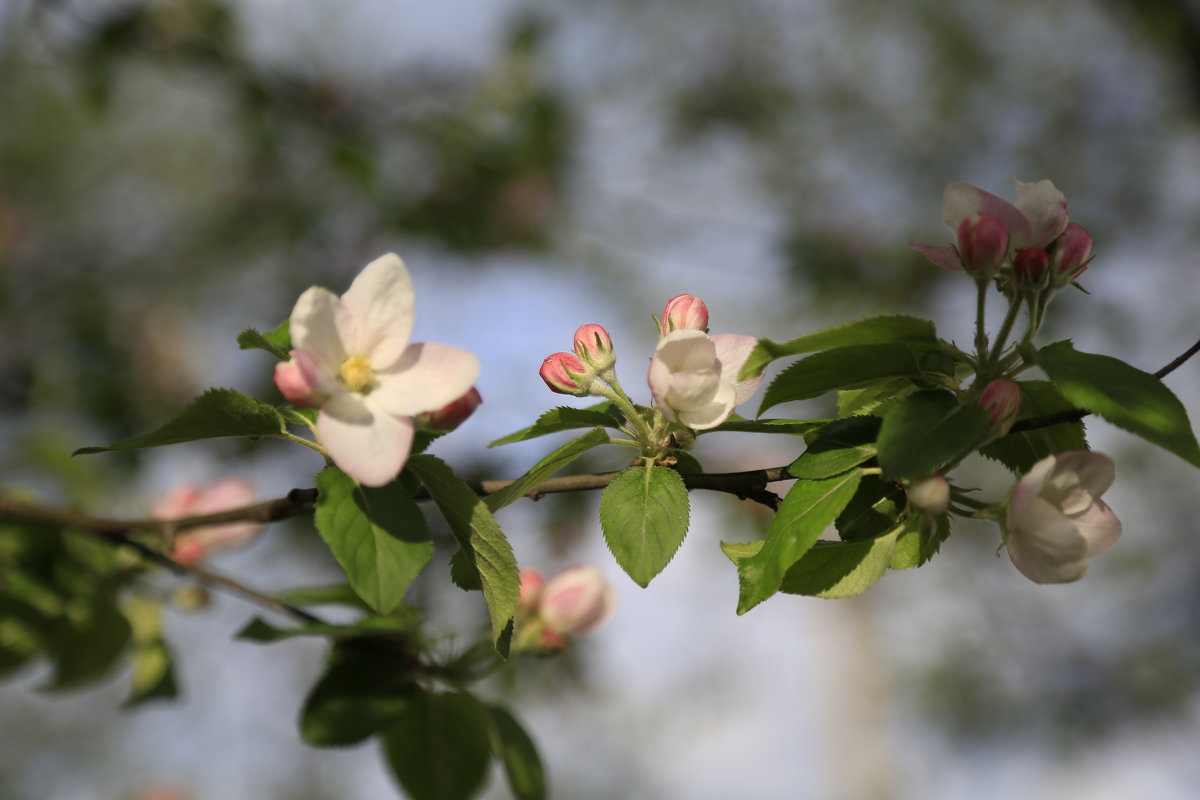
point(694, 376)
point(1037, 217)
point(358, 366)
point(1055, 520)
point(193, 545)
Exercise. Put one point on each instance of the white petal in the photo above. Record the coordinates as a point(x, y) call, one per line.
point(693, 389)
point(659, 379)
point(732, 351)
point(1046, 546)
point(379, 304)
point(1046, 209)
point(711, 414)
point(939, 255)
point(1030, 485)
point(686, 350)
point(425, 378)
point(961, 200)
point(1096, 471)
point(366, 443)
point(1099, 527)
point(315, 327)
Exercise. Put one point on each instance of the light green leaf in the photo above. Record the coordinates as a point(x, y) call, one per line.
point(926, 430)
point(216, 413)
point(873, 330)
point(277, 342)
point(1020, 451)
point(920, 540)
point(480, 540)
point(1125, 396)
point(517, 753)
point(378, 536)
point(873, 399)
point(564, 418)
point(808, 509)
point(841, 445)
point(545, 468)
point(644, 515)
point(439, 748)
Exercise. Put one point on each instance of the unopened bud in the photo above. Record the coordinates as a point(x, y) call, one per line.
point(451, 415)
point(1029, 267)
point(930, 495)
point(1001, 399)
point(576, 600)
point(594, 347)
point(566, 374)
point(530, 592)
point(982, 244)
point(1072, 251)
point(684, 311)
point(296, 379)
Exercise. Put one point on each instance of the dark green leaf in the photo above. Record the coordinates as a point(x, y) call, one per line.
point(873, 399)
point(926, 430)
point(644, 515)
point(216, 413)
point(807, 510)
point(873, 330)
point(518, 754)
point(841, 445)
point(479, 537)
point(794, 427)
point(365, 689)
point(920, 541)
point(1020, 451)
point(277, 342)
point(546, 467)
point(86, 644)
point(439, 748)
point(391, 628)
point(565, 418)
point(339, 594)
point(872, 512)
point(1125, 396)
point(464, 572)
point(378, 536)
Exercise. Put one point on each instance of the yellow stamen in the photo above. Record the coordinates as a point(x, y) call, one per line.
point(357, 374)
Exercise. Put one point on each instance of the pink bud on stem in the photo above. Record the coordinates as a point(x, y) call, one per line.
point(594, 347)
point(982, 244)
point(1001, 399)
point(1071, 252)
point(684, 312)
point(1029, 267)
point(564, 373)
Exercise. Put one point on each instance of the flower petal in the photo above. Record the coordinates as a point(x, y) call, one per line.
point(425, 378)
point(1046, 546)
point(940, 255)
point(1030, 484)
point(1046, 209)
point(711, 414)
point(316, 326)
point(1099, 527)
point(961, 200)
point(364, 441)
point(659, 379)
point(732, 351)
point(380, 307)
point(686, 350)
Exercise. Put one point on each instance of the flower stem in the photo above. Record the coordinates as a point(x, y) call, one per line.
point(981, 342)
point(1014, 307)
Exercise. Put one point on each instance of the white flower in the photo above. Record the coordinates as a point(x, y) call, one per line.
point(358, 367)
point(1055, 520)
point(693, 376)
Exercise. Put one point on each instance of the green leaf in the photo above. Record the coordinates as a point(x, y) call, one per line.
point(846, 367)
point(808, 508)
point(873, 399)
point(841, 445)
point(364, 690)
point(216, 413)
point(926, 430)
point(389, 628)
point(1125, 396)
point(479, 537)
point(151, 666)
point(18, 640)
point(378, 536)
point(793, 427)
point(517, 753)
point(545, 468)
point(920, 541)
point(872, 511)
point(440, 747)
point(463, 572)
point(86, 642)
point(1020, 451)
point(564, 418)
point(277, 342)
point(644, 516)
point(338, 594)
point(873, 330)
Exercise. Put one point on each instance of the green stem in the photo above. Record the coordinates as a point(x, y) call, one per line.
point(981, 342)
point(291, 437)
point(1006, 327)
point(617, 396)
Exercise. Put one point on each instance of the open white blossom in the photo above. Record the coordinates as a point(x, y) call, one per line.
point(694, 376)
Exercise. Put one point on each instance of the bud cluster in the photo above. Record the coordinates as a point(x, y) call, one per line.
point(574, 602)
point(580, 373)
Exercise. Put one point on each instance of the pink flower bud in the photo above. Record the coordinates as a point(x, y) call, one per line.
point(531, 591)
point(930, 495)
point(576, 600)
point(297, 380)
point(594, 347)
point(566, 374)
point(194, 544)
point(982, 243)
point(684, 311)
point(1001, 399)
point(1030, 266)
point(451, 415)
point(1071, 253)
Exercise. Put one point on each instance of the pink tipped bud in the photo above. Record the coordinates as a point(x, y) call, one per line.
point(1001, 399)
point(684, 312)
point(576, 600)
point(194, 544)
point(1030, 265)
point(531, 591)
point(566, 374)
point(297, 380)
point(982, 244)
point(594, 347)
point(451, 415)
point(1071, 253)
point(930, 495)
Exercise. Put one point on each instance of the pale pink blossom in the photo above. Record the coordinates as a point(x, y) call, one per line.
point(355, 356)
point(193, 544)
point(576, 601)
point(694, 376)
point(1055, 520)
point(930, 495)
point(532, 582)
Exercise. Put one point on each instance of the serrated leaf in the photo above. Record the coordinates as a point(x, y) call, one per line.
point(479, 537)
point(926, 430)
point(841, 445)
point(644, 516)
point(872, 511)
point(792, 427)
point(1124, 395)
point(1020, 451)
point(920, 540)
point(215, 414)
point(277, 342)
point(807, 510)
point(378, 536)
point(545, 468)
point(873, 399)
point(463, 572)
point(440, 747)
point(362, 692)
point(844, 368)
point(873, 330)
point(564, 418)
point(516, 751)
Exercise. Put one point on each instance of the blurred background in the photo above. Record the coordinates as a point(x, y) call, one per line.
point(174, 172)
